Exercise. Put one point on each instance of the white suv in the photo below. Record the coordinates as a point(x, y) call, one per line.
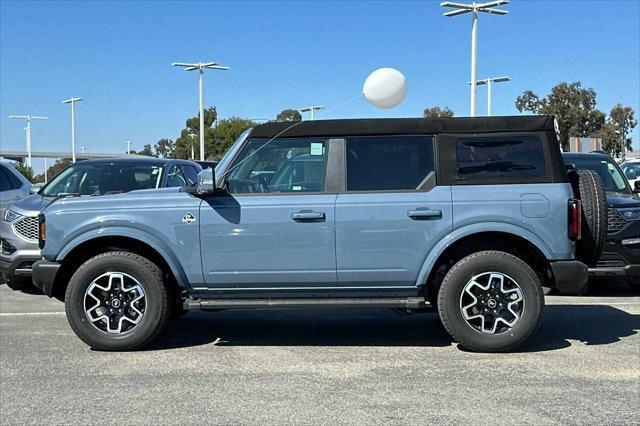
point(631, 169)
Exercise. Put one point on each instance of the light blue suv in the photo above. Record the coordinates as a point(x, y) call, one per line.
point(467, 215)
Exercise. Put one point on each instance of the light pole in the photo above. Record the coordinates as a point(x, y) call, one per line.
point(192, 135)
point(28, 131)
point(201, 67)
point(474, 8)
point(489, 82)
point(312, 109)
point(73, 101)
point(128, 147)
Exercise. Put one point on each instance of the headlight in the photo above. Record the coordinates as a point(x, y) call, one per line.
point(10, 216)
point(630, 215)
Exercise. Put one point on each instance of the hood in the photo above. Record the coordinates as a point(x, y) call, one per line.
point(31, 205)
point(616, 199)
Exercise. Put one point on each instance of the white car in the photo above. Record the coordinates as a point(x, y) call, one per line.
point(631, 169)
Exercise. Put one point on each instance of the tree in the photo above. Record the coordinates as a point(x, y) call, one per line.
point(437, 112)
point(53, 170)
point(185, 142)
point(225, 134)
point(619, 124)
point(165, 148)
point(25, 171)
point(573, 106)
point(146, 150)
point(289, 115)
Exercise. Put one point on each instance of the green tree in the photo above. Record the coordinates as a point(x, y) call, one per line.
point(437, 112)
point(619, 124)
point(165, 148)
point(573, 106)
point(146, 150)
point(225, 134)
point(190, 135)
point(26, 171)
point(289, 115)
point(54, 169)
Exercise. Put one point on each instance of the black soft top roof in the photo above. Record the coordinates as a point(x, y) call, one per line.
point(386, 126)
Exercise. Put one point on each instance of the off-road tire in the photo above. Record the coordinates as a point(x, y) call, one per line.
point(594, 217)
point(146, 273)
point(490, 261)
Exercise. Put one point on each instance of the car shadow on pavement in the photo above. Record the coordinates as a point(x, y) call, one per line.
point(304, 328)
point(562, 326)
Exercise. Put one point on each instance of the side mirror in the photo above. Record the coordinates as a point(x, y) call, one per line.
point(206, 184)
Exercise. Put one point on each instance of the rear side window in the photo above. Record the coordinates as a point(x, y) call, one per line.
point(5, 182)
point(500, 157)
point(388, 163)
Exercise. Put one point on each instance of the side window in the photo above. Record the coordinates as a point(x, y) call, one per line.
point(5, 183)
point(500, 157)
point(281, 165)
point(388, 163)
point(175, 177)
point(190, 173)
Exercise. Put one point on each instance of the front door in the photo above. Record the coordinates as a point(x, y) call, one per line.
point(392, 212)
point(275, 228)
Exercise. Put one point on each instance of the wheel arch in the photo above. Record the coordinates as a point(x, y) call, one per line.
point(453, 248)
point(83, 248)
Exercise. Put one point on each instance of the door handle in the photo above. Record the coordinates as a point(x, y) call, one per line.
point(425, 214)
point(305, 216)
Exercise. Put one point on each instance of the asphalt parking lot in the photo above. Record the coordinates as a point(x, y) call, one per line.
point(321, 367)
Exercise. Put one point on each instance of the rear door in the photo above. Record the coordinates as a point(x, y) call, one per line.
point(391, 213)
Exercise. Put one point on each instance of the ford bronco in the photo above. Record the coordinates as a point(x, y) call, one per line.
point(469, 216)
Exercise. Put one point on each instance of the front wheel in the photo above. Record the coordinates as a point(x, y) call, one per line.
point(117, 301)
point(491, 301)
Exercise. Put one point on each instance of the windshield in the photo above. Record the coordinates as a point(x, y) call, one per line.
point(103, 179)
point(631, 170)
point(613, 179)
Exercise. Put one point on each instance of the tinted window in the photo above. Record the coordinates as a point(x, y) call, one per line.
point(175, 178)
point(388, 163)
point(191, 174)
point(5, 182)
point(500, 157)
point(103, 178)
point(284, 165)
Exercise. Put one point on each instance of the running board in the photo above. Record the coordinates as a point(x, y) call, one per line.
point(343, 302)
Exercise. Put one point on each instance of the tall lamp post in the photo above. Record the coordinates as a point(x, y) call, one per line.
point(200, 66)
point(73, 101)
point(312, 110)
point(28, 131)
point(489, 82)
point(474, 8)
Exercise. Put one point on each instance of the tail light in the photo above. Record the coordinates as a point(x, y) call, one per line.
point(42, 230)
point(575, 219)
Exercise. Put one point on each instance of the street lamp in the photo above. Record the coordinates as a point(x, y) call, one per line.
point(474, 8)
point(128, 147)
point(201, 67)
point(489, 82)
point(73, 101)
point(192, 135)
point(312, 109)
point(28, 131)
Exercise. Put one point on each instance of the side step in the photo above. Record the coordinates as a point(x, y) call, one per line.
point(343, 302)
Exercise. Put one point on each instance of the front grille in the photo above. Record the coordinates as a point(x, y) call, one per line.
point(611, 260)
point(27, 228)
point(615, 221)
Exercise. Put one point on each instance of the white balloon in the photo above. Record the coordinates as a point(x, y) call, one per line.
point(385, 87)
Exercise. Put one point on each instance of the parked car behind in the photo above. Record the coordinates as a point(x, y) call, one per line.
point(621, 255)
point(631, 169)
point(470, 215)
point(19, 228)
point(13, 186)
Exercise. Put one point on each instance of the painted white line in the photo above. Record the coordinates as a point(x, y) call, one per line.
point(21, 314)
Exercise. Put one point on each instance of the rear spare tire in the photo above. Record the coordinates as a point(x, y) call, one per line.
point(594, 217)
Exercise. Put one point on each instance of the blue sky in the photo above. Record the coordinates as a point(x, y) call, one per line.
point(117, 56)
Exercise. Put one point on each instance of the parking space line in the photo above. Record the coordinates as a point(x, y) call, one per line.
point(19, 314)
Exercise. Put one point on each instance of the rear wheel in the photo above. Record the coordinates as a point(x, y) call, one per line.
point(594, 217)
point(491, 301)
point(117, 301)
